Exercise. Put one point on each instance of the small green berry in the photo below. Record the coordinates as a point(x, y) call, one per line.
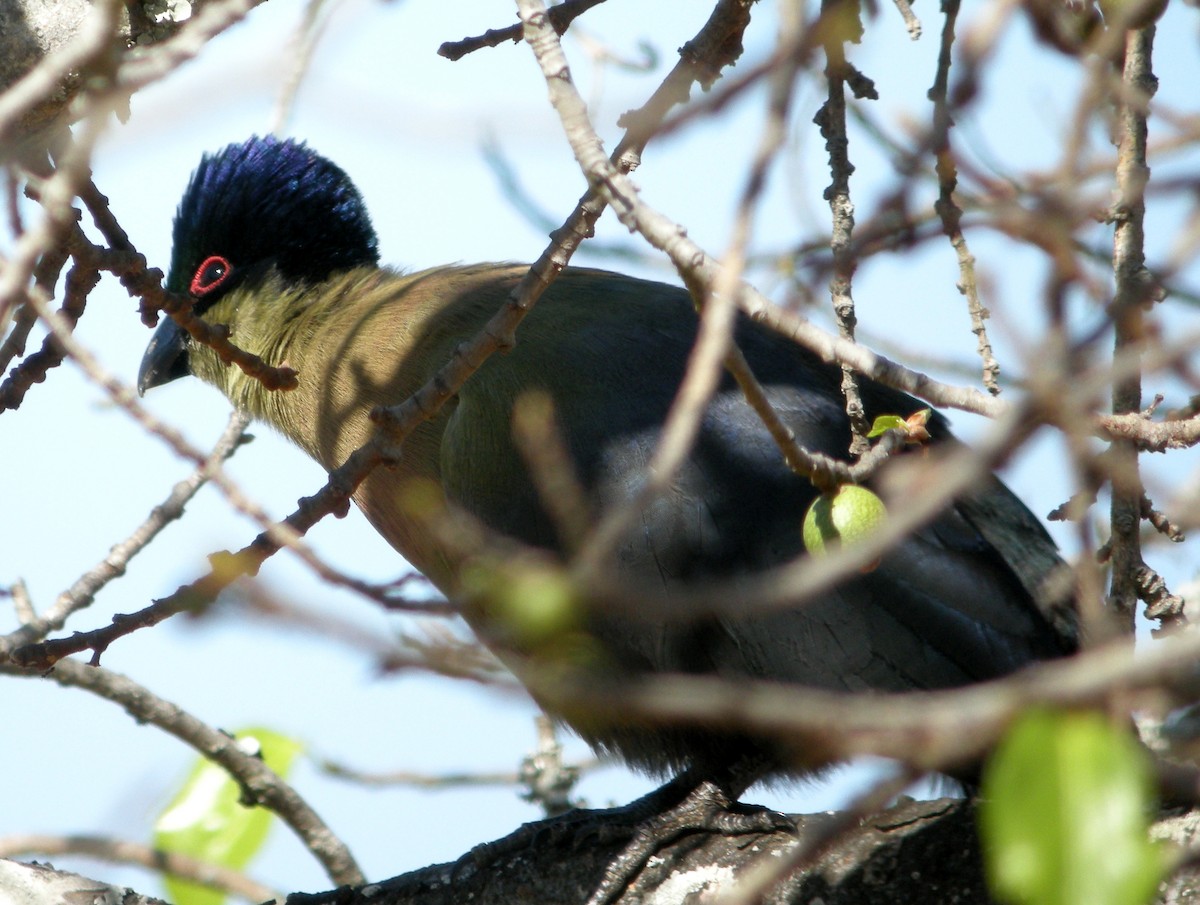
point(844, 516)
point(538, 604)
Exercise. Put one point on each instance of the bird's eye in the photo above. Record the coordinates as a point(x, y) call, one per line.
point(212, 272)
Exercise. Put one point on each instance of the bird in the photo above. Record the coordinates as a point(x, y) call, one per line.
point(274, 242)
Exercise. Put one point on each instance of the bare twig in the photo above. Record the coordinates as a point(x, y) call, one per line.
point(928, 730)
point(83, 591)
point(1150, 436)
point(226, 567)
point(717, 44)
point(1132, 295)
point(911, 22)
point(215, 17)
point(430, 781)
point(716, 323)
point(926, 489)
point(304, 43)
point(551, 467)
point(1162, 524)
point(95, 42)
point(947, 208)
point(122, 851)
point(260, 784)
point(548, 781)
point(561, 18)
point(842, 25)
point(692, 260)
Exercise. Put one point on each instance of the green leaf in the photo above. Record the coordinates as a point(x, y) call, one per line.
point(206, 820)
point(885, 423)
point(1065, 814)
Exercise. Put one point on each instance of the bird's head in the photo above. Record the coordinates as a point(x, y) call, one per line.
point(267, 207)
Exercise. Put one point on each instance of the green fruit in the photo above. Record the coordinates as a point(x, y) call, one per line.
point(530, 602)
point(842, 517)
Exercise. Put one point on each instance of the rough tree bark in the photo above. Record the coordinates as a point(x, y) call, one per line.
point(915, 851)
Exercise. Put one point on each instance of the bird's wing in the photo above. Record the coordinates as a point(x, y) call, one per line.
point(945, 608)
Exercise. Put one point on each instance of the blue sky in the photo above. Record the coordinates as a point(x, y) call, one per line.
point(410, 128)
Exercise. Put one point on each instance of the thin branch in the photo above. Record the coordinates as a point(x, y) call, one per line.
point(431, 781)
point(58, 216)
point(22, 604)
point(125, 398)
point(926, 486)
point(34, 368)
point(443, 654)
point(561, 18)
point(1147, 435)
point(1127, 310)
point(1162, 524)
point(45, 277)
point(110, 80)
point(716, 321)
point(216, 336)
point(123, 851)
point(947, 208)
point(83, 591)
point(303, 44)
point(702, 271)
point(716, 45)
point(94, 43)
point(928, 730)
point(543, 776)
point(259, 783)
point(215, 17)
point(841, 24)
point(226, 567)
point(551, 468)
point(911, 22)
point(548, 781)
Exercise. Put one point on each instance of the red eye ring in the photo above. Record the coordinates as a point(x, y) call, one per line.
point(212, 272)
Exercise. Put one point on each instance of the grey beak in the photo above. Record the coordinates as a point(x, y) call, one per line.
point(166, 357)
